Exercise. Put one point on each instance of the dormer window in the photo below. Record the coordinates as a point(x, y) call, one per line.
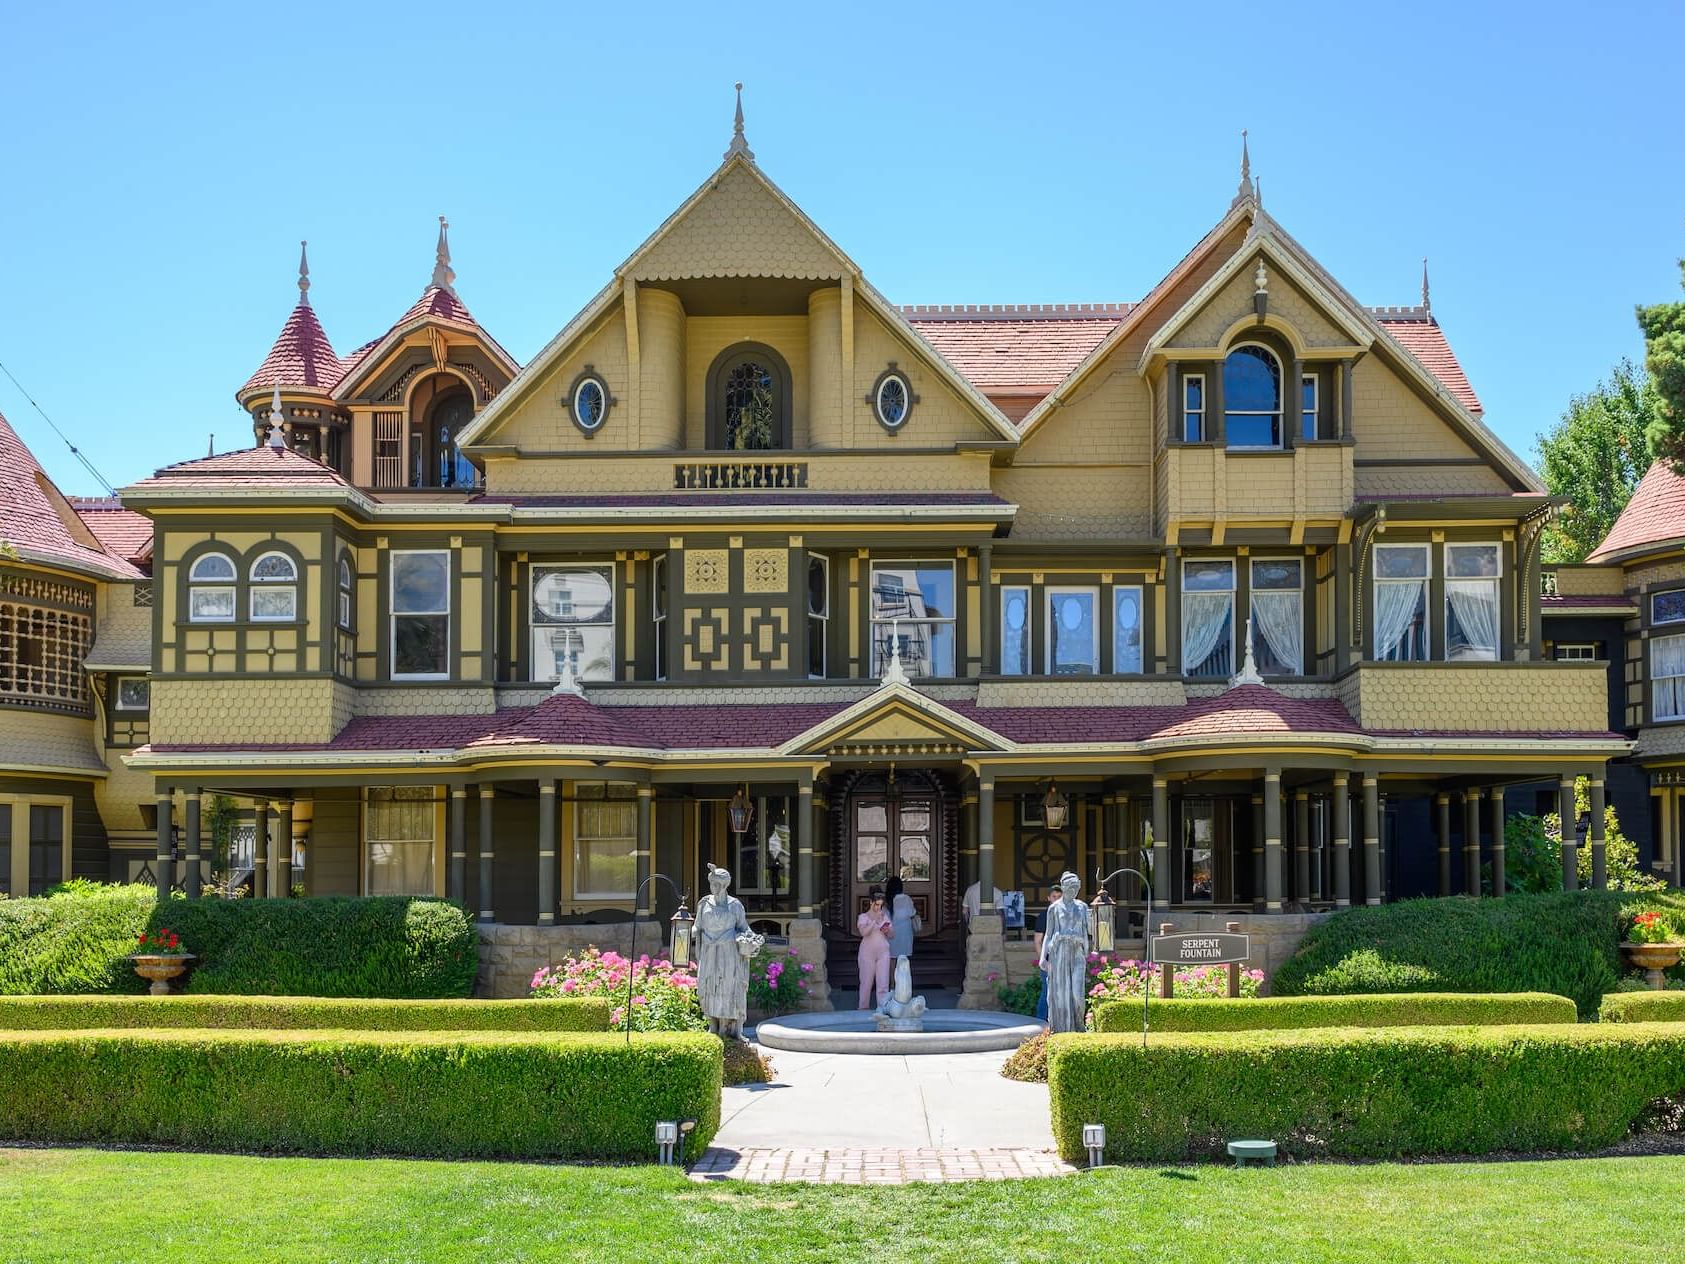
point(749, 400)
point(1252, 397)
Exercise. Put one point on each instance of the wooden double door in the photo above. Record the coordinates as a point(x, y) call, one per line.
point(901, 825)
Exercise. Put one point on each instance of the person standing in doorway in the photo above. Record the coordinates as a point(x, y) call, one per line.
point(1053, 894)
point(904, 916)
point(874, 926)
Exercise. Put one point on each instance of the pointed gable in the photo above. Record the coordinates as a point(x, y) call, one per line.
point(40, 524)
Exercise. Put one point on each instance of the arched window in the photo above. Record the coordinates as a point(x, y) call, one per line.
point(210, 589)
point(344, 590)
point(274, 591)
point(448, 418)
point(1252, 397)
point(749, 400)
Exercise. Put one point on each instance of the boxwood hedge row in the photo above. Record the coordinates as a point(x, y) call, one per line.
point(382, 946)
point(1386, 1093)
point(456, 1095)
point(271, 1013)
point(1643, 1007)
point(1418, 1009)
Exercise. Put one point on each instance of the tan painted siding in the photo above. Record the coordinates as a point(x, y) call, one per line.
point(1287, 302)
point(540, 422)
point(1589, 581)
point(942, 414)
point(707, 336)
point(1489, 697)
point(842, 472)
point(661, 377)
point(738, 228)
point(1390, 420)
point(231, 712)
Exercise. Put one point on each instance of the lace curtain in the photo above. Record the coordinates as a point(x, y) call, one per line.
point(1667, 668)
point(1476, 607)
point(1205, 617)
point(1278, 615)
point(1396, 604)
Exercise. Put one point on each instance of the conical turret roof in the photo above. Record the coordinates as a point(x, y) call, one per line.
point(302, 358)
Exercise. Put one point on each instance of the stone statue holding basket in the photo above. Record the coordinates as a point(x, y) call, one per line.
point(724, 947)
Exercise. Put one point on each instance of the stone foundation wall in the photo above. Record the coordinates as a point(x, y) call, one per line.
point(511, 955)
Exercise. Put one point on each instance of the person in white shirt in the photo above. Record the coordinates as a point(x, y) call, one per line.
point(972, 902)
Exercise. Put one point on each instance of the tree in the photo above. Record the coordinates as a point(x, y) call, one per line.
point(1595, 456)
point(1664, 355)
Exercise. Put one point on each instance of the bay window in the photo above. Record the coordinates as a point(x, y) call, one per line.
point(1278, 616)
point(1667, 657)
point(1073, 637)
point(1252, 388)
point(400, 824)
point(1127, 619)
point(913, 601)
point(421, 591)
point(572, 613)
point(1401, 603)
point(1208, 591)
point(1471, 602)
point(605, 840)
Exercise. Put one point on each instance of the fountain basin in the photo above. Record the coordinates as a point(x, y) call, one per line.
point(856, 1031)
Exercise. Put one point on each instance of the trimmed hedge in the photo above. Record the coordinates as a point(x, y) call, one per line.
point(1271, 1013)
point(1369, 1094)
point(456, 1095)
point(1643, 1007)
point(1564, 943)
point(379, 946)
point(280, 1013)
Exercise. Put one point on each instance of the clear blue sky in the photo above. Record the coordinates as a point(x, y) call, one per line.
point(161, 164)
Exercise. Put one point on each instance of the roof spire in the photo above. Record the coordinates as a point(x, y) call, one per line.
point(1246, 192)
point(739, 144)
point(443, 277)
point(1427, 306)
point(275, 420)
point(304, 272)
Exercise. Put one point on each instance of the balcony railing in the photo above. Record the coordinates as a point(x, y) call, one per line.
point(739, 475)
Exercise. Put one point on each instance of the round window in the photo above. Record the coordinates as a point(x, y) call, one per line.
point(893, 400)
point(1015, 612)
point(589, 403)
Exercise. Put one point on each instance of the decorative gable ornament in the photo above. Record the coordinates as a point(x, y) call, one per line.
point(1248, 673)
point(895, 673)
point(1261, 289)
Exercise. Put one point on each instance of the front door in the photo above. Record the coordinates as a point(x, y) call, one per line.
point(895, 828)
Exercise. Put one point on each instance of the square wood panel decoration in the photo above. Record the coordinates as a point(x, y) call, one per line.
point(766, 570)
point(707, 571)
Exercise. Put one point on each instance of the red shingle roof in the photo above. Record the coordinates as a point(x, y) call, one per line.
point(1423, 338)
point(301, 359)
point(1654, 514)
point(265, 467)
point(122, 531)
point(39, 522)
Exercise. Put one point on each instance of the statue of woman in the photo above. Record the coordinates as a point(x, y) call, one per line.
point(1064, 955)
point(724, 944)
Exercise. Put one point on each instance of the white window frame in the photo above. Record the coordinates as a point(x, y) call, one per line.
point(257, 583)
point(1375, 582)
point(1559, 652)
point(534, 573)
point(818, 623)
point(1048, 595)
point(1234, 623)
point(395, 615)
point(875, 624)
point(433, 801)
point(1201, 412)
point(1140, 592)
point(345, 582)
point(1007, 593)
point(230, 585)
point(117, 703)
point(657, 610)
point(1496, 581)
point(1278, 414)
point(1676, 690)
point(1252, 590)
point(1315, 410)
point(580, 838)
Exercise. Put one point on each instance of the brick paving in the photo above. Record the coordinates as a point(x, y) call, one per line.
point(854, 1166)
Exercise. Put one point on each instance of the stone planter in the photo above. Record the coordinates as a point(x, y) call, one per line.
point(1653, 959)
point(160, 968)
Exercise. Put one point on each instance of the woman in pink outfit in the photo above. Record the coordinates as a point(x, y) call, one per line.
point(874, 926)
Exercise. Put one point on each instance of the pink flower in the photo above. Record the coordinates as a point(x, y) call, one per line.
point(568, 985)
point(807, 967)
point(640, 1000)
point(994, 976)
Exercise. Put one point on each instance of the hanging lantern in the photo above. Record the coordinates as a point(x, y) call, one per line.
point(681, 925)
point(741, 811)
point(1102, 922)
point(1055, 807)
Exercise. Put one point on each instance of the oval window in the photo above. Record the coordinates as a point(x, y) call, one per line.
point(893, 400)
point(1015, 612)
point(589, 404)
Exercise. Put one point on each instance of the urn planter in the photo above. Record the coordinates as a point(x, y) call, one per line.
point(160, 968)
point(1653, 959)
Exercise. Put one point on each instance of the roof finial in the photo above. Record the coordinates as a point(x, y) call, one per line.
point(275, 418)
point(739, 145)
point(895, 673)
point(1245, 193)
point(1427, 306)
point(304, 272)
point(1248, 673)
point(443, 277)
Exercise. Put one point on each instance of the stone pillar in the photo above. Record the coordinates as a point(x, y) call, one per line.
point(1342, 841)
point(1272, 840)
point(1442, 802)
point(260, 851)
point(645, 900)
point(1371, 839)
point(546, 851)
point(1570, 845)
point(986, 846)
point(1257, 853)
point(985, 949)
point(456, 881)
point(164, 861)
point(807, 939)
point(191, 879)
point(281, 854)
point(1302, 846)
point(805, 903)
point(488, 911)
point(1497, 809)
point(1164, 889)
point(1471, 842)
point(1599, 861)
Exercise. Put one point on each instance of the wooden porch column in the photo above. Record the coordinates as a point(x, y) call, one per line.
point(1671, 816)
point(805, 904)
point(1599, 862)
point(191, 879)
point(260, 851)
point(1471, 842)
point(1301, 845)
point(164, 860)
point(1163, 887)
point(1497, 809)
point(1443, 803)
point(456, 877)
point(1272, 840)
point(1371, 839)
point(1342, 841)
point(1257, 853)
point(968, 840)
point(546, 851)
point(985, 844)
point(1570, 847)
point(487, 795)
point(281, 854)
point(645, 900)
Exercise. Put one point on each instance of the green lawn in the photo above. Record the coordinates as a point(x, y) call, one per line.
point(92, 1206)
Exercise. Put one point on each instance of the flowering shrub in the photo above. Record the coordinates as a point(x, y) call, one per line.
point(1649, 928)
point(663, 995)
point(778, 980)
point(162, 941)
point(1123, 980)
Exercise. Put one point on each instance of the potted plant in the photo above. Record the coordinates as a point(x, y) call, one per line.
point(1650, 945)
point(158, 957)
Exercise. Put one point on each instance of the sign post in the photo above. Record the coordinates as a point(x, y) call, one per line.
point(1208, 948)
